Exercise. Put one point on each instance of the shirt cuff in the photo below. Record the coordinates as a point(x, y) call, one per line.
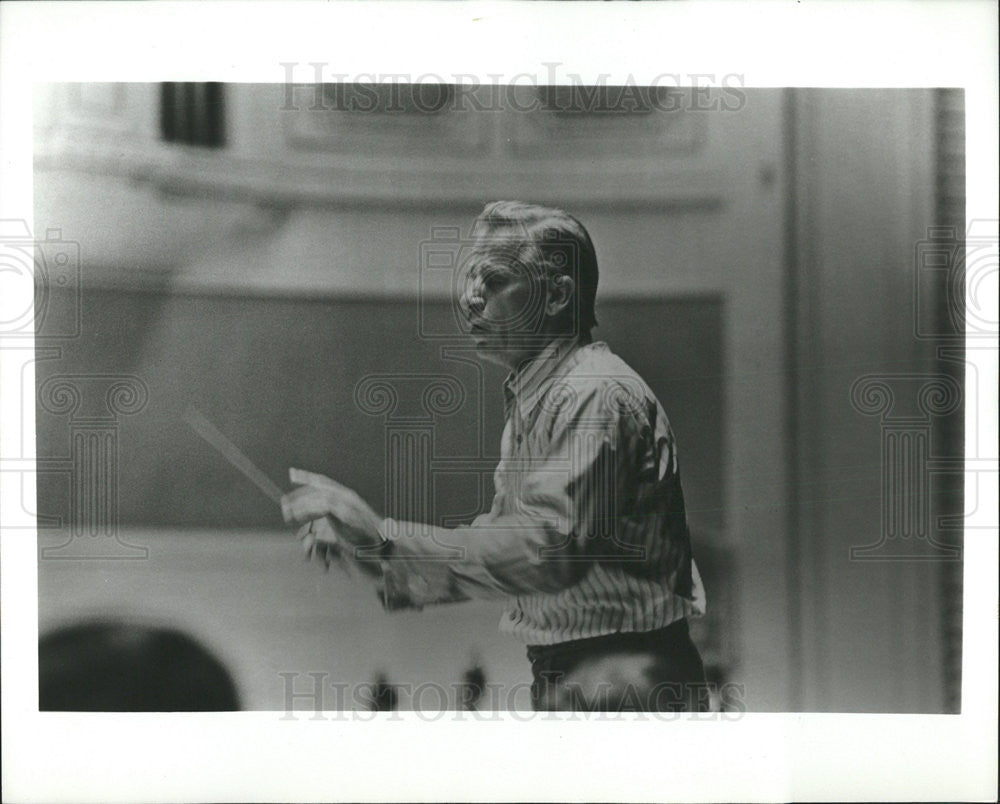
point(411, 580)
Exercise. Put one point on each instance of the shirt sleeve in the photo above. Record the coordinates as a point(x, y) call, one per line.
point(561, 514)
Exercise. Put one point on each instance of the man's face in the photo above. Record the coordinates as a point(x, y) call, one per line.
point(504, 306)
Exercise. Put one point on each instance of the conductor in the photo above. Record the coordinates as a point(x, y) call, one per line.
point(587, 539)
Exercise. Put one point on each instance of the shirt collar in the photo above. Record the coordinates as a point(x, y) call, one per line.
point(526, 385)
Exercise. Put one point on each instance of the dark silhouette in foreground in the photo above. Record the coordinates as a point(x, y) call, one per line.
point(111, 666)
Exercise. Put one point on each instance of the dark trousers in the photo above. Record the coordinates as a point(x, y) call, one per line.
point(646, 671)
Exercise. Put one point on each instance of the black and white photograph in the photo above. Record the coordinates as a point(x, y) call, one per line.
point(343, 400)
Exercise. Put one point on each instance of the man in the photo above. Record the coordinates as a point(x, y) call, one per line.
point(587, 537)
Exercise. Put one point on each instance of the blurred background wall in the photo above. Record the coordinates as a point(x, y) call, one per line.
point(256, 252)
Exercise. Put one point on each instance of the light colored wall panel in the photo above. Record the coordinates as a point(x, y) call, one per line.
point(868, 636)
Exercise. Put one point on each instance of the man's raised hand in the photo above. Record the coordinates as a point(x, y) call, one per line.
point(353, 523)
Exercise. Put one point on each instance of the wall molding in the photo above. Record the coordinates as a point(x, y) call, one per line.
point(183, 171)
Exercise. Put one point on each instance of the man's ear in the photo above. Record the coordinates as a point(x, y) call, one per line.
point(560, 295)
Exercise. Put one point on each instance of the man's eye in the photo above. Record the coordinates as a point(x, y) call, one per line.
point(494, 280)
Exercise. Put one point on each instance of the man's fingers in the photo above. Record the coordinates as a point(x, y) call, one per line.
point(304, 504)
point(323, 542)
point(300, 477)
point(314, 502)
point(335, 520)
point(319, 496)
point(315, 549)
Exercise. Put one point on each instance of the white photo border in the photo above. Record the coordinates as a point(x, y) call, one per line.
point(257, 756)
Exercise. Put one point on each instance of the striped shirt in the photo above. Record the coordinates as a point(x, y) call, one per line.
point(587, 533)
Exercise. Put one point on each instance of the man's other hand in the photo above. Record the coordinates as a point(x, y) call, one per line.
point(320, 543)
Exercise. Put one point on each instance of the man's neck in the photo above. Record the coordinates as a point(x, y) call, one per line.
point(556, 346)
